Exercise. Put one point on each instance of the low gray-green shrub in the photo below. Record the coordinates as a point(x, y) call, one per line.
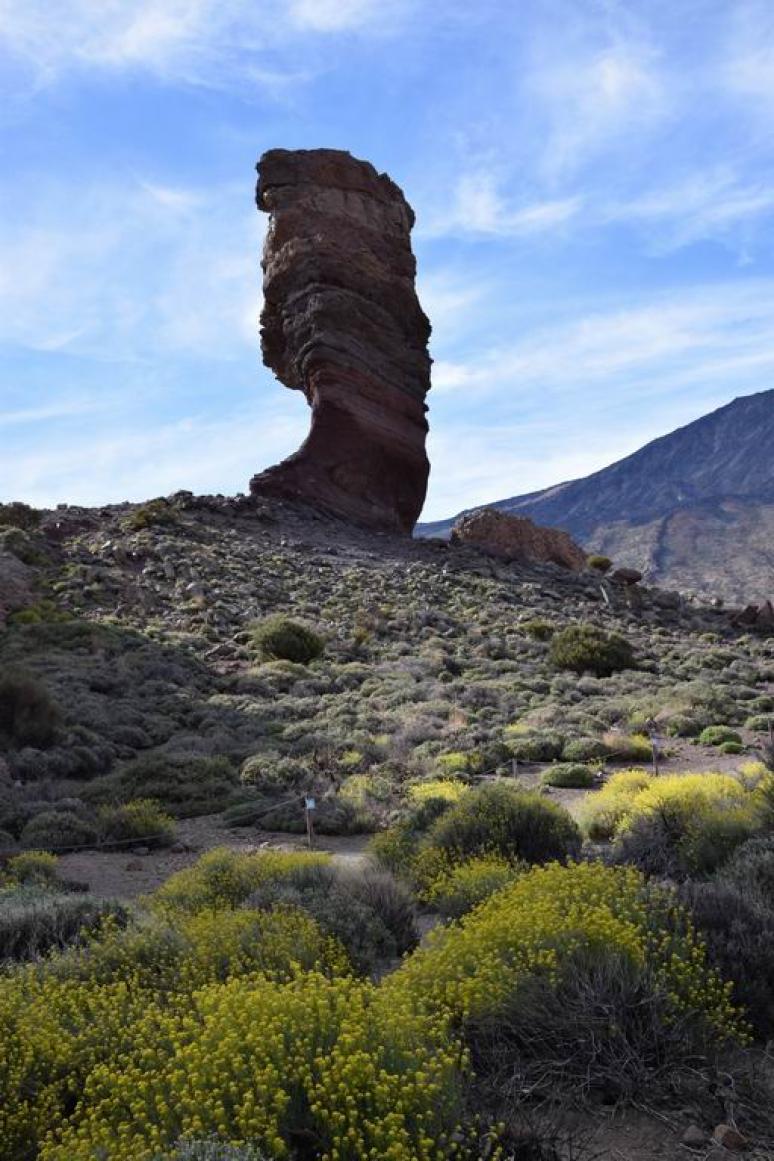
point(584, 750)
point(186, 784)
point(586, 648)
point(281, 638)
point(717, 735)
point(141, 821)
point(737, 929)
point(35, 920)
point(569, 774)
point(503, 819)
point(367, 909)
point(59, 830)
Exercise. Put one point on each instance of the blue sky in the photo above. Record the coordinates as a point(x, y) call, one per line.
point(593, 183)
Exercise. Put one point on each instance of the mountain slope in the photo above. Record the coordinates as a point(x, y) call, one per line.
point(693, 509)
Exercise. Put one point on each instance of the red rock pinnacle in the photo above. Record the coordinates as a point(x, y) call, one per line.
point(342, 323)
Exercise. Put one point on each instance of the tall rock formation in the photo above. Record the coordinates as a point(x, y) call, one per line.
point(342, 323)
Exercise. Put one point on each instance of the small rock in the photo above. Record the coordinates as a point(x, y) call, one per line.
point(178, 849)
point(730, 1138)
point(141, 850)
point(694, 1137)
point(133, 865)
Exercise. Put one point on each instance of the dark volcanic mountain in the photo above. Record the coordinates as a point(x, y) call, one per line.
point(694, 509)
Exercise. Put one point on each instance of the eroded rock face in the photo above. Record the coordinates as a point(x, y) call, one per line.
point(517, 538)
point(342, 323)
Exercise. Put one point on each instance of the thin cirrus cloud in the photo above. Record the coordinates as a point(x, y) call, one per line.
point(702, 335)
point(124, 276)
point(192, 41)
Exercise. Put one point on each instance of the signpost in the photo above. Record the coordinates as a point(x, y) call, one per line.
point(309, 806)
point(655, 743)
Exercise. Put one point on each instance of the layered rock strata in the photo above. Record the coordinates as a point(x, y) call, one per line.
point(517, 538)
point(342, 323)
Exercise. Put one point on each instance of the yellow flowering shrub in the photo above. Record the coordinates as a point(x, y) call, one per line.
point(604, 810)
point(225, 878)
point(30, 867)
point(252, 1059)
point(449, 789)
point(462, 886)
point(69, 1016)
point(680, 823)
point(539, 924)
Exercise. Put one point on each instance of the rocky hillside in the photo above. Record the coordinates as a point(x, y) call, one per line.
point(693, 510)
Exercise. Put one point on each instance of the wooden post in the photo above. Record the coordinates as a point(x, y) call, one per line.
point(309, 805)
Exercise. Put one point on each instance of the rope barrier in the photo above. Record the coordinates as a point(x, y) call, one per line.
point(140, 841)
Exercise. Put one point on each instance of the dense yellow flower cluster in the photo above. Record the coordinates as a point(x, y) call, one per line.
point(699, 797)
point(461, 886)
point(537, 925)
point(65, 1019)
point(253, 1059)
point(450, 789)
point(225, 878)
point(249, 1025)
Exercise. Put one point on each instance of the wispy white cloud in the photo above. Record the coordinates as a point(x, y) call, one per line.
point(703, 334)
point(135, 270)
point(479, 207)
point(208, 42)
point(36, 415)
point(100, 463)
point(593, 85)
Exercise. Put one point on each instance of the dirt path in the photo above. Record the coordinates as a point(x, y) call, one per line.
point(129, 874)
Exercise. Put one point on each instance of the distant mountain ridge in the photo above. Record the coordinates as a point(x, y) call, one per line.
point(693, 509)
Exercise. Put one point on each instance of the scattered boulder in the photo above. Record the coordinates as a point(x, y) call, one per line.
point(694, 1137)
point(517, 538)
point(342, 323)
point(730, 1138)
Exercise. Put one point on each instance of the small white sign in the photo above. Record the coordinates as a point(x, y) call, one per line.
point(310, 804)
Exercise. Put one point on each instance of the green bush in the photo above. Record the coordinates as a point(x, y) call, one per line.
point(584, 750)
point(717, 735)
point(502, 819)
point(271, 773)
point(279, 638)
point(58, 830)
point(586, 648)
point(19, 515)
point(572, 775)
point(142, 821)
point(731, 748)
point(156, 513)
point(537, 747)
point(599, 563)
point(28, 714)
point(683, 726)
